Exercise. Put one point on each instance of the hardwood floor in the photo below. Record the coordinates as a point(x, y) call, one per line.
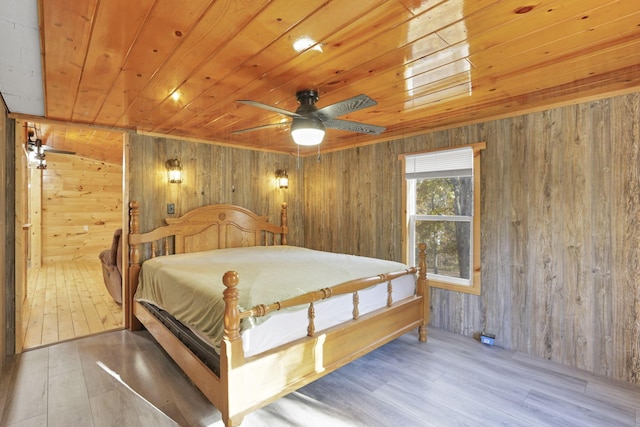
point(65, 301)
point(449, 381)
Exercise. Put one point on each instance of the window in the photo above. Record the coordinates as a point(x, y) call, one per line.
point(442, 194)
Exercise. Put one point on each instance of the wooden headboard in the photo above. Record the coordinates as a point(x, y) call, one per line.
point(211, 227)
point(204, 228)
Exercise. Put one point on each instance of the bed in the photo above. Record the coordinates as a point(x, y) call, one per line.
point(237, 375)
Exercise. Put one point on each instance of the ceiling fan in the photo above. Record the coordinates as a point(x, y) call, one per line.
point(308, 122)
point(35, 144)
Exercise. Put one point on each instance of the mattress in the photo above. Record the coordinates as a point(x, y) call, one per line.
point(189, 286)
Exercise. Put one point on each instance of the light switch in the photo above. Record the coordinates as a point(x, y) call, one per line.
point(171, 208)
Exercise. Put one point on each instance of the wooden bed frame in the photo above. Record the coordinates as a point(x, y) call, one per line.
point(246, 384)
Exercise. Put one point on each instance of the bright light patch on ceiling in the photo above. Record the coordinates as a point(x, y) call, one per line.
point(20, 62)
point(305, 43)
point(175, 96)
point(441, 75)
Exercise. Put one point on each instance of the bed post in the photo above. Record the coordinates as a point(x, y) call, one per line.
point(231, 353)
point(231, 310)
point(424, 291)
point(134, 268)
point(283, 223)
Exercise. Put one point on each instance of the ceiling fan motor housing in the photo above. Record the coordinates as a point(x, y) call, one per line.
point(307, 99)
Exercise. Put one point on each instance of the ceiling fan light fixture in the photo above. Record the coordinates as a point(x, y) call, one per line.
point(307, 131)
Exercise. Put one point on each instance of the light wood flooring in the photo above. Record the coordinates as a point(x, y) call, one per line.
point(449, 381)
point(65, 301)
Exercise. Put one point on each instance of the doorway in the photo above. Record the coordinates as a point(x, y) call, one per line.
point(73, 207)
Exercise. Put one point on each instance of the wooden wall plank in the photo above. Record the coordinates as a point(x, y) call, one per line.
point(577, 246)
point(625, 297)
point(604, 200)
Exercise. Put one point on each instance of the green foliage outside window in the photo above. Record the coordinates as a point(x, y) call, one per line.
point(447, 235)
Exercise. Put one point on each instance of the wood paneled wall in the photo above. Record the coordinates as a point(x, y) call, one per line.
point(561, 207)
point(81, 207)
point(211, 174)
point(560, 229)
point(352, 200)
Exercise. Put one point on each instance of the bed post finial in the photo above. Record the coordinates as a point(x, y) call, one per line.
point(283, 223)
point(423, 290)
point(231, 311)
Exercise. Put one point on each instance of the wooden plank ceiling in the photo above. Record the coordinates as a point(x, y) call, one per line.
point(178, 67)
point(84, 141)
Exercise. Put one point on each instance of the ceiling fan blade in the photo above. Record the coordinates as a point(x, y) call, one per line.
point(236, 132)
point(56, 151)
point(269, 107)
point(344, 107)
point(353, 126)
point(53, 150)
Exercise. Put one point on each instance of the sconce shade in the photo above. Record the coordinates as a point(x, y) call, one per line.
point(42, 161)
point(282, 179)
point(175, 170)
point(307, 131)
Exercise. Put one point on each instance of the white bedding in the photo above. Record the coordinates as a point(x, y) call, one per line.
point(189, 286)
point(289, 326)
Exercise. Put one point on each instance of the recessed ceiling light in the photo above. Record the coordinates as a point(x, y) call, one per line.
point(305, 43)
point(175, 95)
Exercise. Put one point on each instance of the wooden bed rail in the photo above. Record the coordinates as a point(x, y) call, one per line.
point(233, 315)
point(349, 287)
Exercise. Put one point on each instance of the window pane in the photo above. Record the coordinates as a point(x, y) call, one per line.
point(448, 247)
point(444, 196)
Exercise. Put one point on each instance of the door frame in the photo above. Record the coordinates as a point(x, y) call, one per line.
point(16, 295)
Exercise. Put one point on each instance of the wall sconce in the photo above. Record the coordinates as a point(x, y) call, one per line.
point(282, 179)
point(36, 152)
point(175, 170)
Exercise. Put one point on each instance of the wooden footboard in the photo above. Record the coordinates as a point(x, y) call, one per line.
point(246, 384)
point(286, 368)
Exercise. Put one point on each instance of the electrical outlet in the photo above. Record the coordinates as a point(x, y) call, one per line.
point(171, 208)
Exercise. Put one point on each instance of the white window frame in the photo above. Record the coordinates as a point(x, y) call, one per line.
point(471, 285)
